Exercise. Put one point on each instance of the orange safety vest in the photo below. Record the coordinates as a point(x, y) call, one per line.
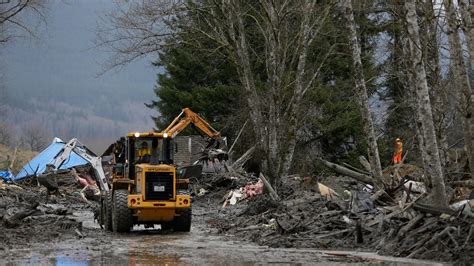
point(397, 157)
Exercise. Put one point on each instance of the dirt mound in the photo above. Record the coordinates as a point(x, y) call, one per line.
point(259, 205)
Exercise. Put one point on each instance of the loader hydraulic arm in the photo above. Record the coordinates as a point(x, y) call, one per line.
point(180, 123)
point(79, 149)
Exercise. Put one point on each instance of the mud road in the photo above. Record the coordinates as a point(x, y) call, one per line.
point(92, 246)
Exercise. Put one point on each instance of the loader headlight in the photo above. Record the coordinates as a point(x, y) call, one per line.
point(165, 135)
point(137, 134)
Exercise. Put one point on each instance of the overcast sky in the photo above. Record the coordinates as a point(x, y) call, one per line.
point(62, 63)
point(63, 57)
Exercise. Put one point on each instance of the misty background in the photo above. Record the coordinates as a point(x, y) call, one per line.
point(53, 82)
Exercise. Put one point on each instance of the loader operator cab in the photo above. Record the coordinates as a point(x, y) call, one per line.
point(148, 148)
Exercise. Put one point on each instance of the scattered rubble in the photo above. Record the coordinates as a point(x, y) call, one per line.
point(342, 213)
point(332, 212)
point(45, 208)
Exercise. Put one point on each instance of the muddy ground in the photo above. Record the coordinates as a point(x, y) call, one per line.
point(54, 245)
point(60, 230)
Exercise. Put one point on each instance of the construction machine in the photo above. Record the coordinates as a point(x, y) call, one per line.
point(80, 149)
point(145, 188)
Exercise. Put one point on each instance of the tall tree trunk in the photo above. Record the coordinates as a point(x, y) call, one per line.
point(438, 94)
point(373, 150)
point(461, 81)
point(423, 101)
point(287, 30)
point(468, 28)
point(409, 82)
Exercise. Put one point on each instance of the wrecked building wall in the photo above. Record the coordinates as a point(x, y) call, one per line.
point(188, 149)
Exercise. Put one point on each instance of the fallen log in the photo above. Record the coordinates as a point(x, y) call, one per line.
point(410, 225)
point(433, 209)
point(356, 169)
point(271, 191)
point(348, 172)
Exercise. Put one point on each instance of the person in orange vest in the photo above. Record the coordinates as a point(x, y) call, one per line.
point(397, 156)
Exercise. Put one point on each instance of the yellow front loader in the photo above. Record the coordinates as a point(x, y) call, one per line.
point(144, 188)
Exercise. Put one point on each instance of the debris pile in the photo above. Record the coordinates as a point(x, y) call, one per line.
point(346, 214)
point(33, 211)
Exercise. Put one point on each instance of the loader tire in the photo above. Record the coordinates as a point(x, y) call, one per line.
point(108, 211)
point(121, 214)
point(182, 223)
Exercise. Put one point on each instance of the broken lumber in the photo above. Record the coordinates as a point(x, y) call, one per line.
point(271, 191)
point(410, 225)
point(436, 210)
point(434, 239)
point(239, 163)
point(238, 136)
point(332, 234)
point(363, 161)
point(397, 212)
point(356, 169)
point(348, 172)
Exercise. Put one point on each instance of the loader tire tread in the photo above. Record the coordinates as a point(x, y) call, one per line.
point(182, 223)
point(108, 211)
point(121, 216)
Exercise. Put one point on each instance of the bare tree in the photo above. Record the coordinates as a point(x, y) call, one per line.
point(287, 28)
point(464, 91)
point(361, 89)
point(467, 13)
point(135, 29)
point(433, 166)
point(439, 95)
point(12, 19)
point(34, 136)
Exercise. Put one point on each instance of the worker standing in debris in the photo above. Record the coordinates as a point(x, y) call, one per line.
point(397, 156)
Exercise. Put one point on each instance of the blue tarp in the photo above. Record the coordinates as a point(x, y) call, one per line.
point(6, 175)
point(47, 157)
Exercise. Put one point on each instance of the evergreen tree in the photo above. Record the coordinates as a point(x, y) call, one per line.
point(197, 75)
